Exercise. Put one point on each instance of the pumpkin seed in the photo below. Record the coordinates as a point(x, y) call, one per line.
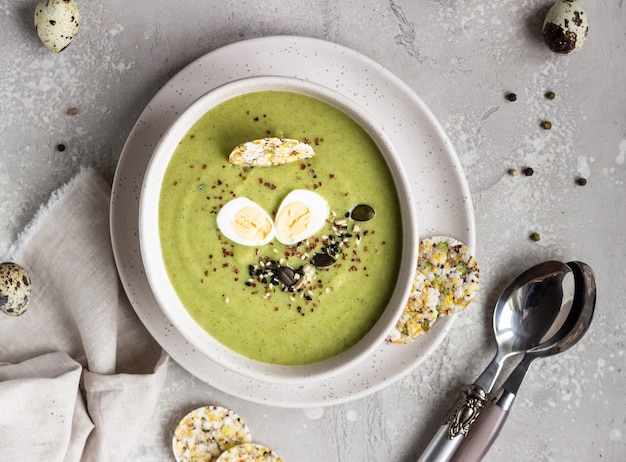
point(287, 275)
point(322, 260)
point(362, 212)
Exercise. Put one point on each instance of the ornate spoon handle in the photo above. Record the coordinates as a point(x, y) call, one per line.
point(457, 425)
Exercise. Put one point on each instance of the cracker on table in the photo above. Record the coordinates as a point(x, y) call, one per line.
point(205, 433)
point(249, 452)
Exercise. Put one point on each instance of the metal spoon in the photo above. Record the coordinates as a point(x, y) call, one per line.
point(487, 428)
point(529, 314)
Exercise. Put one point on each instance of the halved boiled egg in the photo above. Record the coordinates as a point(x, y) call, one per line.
point(244, 222)
point(301, 214)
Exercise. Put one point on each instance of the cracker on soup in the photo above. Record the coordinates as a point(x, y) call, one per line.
point(267, 152)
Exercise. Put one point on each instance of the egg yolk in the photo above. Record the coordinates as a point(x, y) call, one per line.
point(251, 224)
point(293, 220)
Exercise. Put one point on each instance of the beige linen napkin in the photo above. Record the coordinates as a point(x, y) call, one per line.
point(79, 374)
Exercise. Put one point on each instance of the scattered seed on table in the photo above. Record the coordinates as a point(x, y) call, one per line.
point(535, 237)
point(511, 97)
point(60, 147)
point(581, 181)
point(546, 125)
point(550, 95)
point(513, 172)
point(72, 111)
point(528, 171)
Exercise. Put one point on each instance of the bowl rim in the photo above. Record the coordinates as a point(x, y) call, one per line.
point(165, 294)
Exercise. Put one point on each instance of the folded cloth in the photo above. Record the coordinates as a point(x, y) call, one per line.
point(80, 376)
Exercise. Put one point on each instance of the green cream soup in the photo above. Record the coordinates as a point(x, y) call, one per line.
point(226, 287)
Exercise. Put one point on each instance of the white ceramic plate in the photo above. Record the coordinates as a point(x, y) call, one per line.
point(442, 198)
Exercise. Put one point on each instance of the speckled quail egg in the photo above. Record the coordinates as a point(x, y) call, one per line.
point(14, 289)
point(56, 22)
point(243, 221)
point(566, 27)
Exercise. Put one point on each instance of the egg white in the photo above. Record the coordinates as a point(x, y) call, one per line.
point(228, 214)
point(318, 210)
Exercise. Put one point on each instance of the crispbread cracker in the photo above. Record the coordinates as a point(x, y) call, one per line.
point(419, 314)
point(451, 269)
point(445, 282)
point(205, 433)
point(249, 452)
point(270, 151)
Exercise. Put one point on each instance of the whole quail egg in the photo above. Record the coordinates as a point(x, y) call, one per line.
point(56, 22)
point(566, 27)
point(14, 289)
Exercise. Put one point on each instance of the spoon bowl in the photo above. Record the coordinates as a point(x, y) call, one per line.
point(574, 328)
point(582, 311)
point(530, 314)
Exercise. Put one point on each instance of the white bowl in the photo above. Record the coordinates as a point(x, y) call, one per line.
point(159, 281)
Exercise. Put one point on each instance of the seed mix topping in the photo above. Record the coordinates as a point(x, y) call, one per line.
point(315, 253)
